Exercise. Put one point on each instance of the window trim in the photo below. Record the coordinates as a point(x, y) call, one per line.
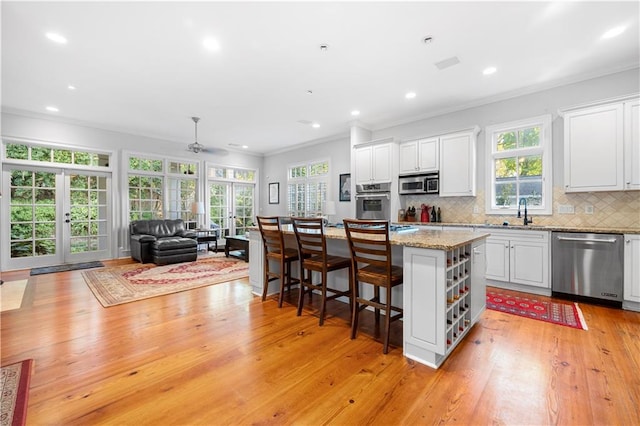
point(545, 148)
point(326, 178)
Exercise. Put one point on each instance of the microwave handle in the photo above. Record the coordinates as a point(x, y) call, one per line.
point(372, 196)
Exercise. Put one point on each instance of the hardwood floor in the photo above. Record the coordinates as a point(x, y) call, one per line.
point(217, 355)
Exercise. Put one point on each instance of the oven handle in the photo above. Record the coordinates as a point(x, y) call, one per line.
point(372, 196)
point(588, 240)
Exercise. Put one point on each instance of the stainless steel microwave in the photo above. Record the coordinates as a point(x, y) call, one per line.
point(419, 184)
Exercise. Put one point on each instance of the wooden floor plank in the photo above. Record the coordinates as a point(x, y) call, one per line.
point(218, 355)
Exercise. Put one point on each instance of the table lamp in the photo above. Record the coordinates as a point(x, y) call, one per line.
point(329, 209)
point(197, 208)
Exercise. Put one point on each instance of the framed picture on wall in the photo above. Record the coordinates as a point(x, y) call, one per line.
point(345, 187)
point(274, 193)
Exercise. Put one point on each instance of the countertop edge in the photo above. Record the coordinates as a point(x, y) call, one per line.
point(551, 228)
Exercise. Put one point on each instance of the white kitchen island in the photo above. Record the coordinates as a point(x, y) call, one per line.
point(444, 290)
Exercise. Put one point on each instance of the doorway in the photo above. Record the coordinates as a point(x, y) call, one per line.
point(55, 216)
point(231, 207)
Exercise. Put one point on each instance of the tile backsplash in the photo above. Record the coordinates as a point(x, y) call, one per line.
point(609, 209)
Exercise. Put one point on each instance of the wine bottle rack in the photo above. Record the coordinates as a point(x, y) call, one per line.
point(458, 286)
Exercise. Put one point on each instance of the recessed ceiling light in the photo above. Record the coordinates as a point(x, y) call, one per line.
point(613, 32)
point(489, 70)
point(428, 40)
point(57, 38)
point(52, 109)
point(309, 92)
point(355, 112)
point(315, 125)
point(71, 87)
point(324, 47)
point(410, 95)
point(210, 43)
point(245, 146)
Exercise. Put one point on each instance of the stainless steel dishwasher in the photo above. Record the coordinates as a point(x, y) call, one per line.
point(588, 265)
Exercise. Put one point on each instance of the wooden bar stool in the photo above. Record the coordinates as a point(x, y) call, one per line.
point(312, 249)
point(275, 251)
point(371, 263)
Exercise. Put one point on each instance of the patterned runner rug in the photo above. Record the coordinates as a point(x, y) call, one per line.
point(128, 283)
point(566, 314)
point(14, 388)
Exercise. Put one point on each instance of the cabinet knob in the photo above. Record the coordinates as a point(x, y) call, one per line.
point(507, 246)
point(628, 241)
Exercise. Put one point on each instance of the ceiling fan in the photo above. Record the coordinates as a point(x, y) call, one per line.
point(196, 147)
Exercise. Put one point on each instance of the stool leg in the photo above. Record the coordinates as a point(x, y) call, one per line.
point(289, 277)
point(302, 289)
point(376, 297)
point(387, 322)
point(355, 312)
point(283, 274)
point(323, 301)
point(265, 285)
point(351, 291)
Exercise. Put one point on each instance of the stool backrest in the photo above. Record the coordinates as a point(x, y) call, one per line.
point(369, 243)
point(271, 234)
point(310, 237)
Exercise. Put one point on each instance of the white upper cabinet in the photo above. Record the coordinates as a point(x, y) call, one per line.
point(632, 144)
point(458, 164)
point(601, 147)
point(419, 156)
point(593, 149)
point(373, 163)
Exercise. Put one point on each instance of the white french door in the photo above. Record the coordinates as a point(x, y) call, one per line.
point(55, 216)
point(231, 206)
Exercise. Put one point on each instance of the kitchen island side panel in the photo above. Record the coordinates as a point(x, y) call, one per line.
point(424, 298)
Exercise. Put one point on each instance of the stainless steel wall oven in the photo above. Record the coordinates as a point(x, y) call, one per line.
point(373, 201)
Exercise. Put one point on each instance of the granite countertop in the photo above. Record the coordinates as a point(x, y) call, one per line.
point(422, 238)
point(557, 228)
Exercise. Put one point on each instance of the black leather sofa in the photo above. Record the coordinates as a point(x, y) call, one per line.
point(162, 241)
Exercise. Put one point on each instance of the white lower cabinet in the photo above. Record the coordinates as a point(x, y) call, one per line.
point(631, 272)
point(444, 294)
point(519, 258)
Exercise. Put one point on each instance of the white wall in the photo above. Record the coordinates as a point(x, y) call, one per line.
point(275, 170)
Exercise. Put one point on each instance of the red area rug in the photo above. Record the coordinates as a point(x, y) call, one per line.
point(14, 388)
point(566, 314)
point(128, 283)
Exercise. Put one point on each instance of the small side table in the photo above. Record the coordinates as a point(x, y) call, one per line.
point(237, 246)
point(207, 236)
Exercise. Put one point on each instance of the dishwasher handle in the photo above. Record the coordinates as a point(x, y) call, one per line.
point(588, 240)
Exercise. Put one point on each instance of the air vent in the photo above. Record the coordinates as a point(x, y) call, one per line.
point(447, 63)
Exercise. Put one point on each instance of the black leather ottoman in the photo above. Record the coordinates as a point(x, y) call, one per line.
point(174, 250)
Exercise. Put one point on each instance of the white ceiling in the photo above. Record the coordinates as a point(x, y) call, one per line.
point(140, 67)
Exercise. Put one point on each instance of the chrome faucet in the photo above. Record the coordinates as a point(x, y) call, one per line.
point(526, 220)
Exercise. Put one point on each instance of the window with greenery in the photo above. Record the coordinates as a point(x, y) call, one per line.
point(161, 188)
point(307, 188)
point(181, 193)
point(145, 197)
point(231, 199)
point(31, 152)
point(519, 163)
point(32, 213)
point(146, 188)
